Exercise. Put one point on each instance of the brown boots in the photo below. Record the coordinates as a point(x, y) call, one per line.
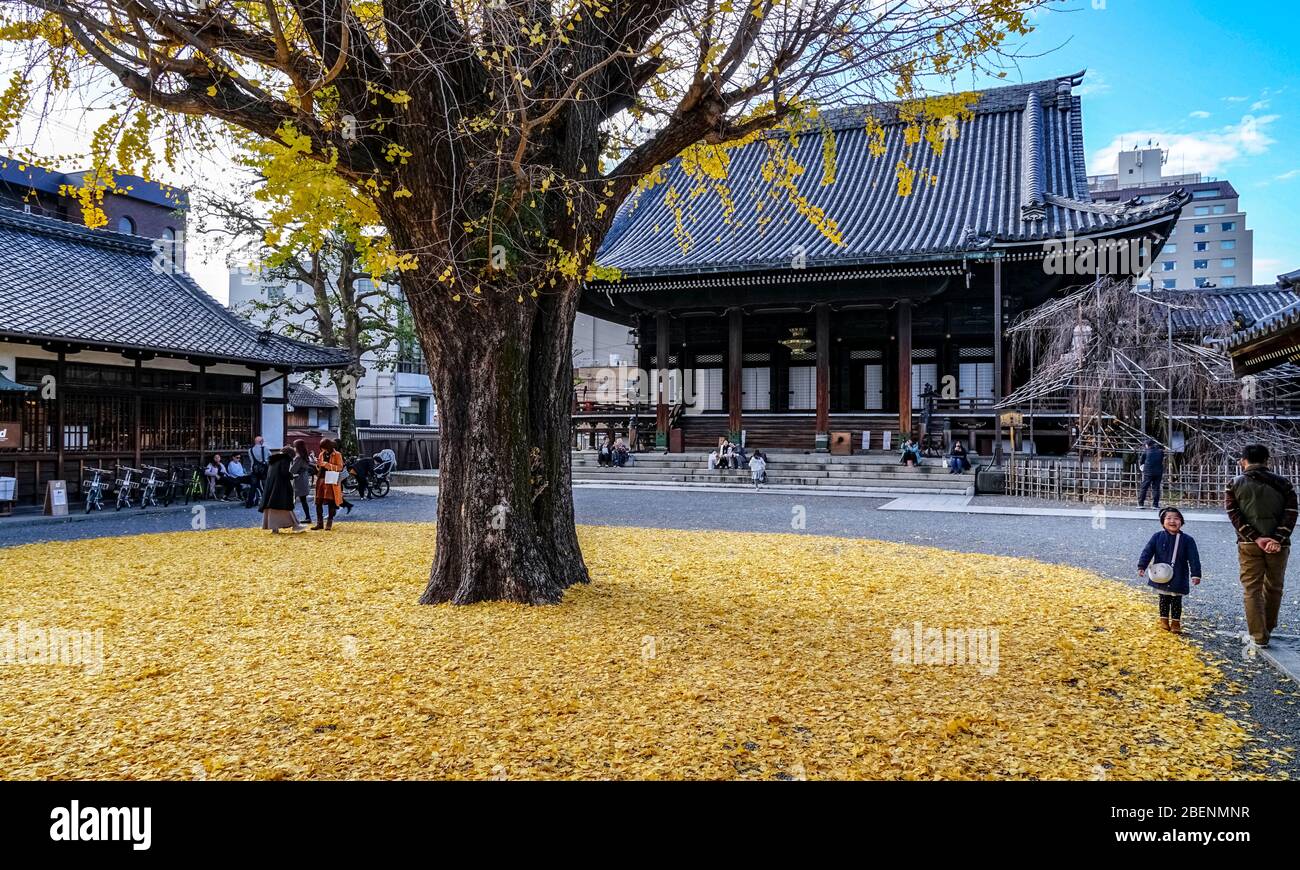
point(1164, 623)
point(323, 524)
point(1176, 626)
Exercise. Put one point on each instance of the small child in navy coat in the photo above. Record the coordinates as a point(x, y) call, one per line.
point(1172, 546)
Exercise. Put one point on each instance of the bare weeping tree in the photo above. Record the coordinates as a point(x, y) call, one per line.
point(497, 138)
point(1137, 364)
point(345, 306)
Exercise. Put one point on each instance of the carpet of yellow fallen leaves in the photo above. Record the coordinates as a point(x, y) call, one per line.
point(236, 654)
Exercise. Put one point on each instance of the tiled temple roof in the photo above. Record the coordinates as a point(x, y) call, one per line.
point(1015, 174)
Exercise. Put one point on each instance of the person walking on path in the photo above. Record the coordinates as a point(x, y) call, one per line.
point(277, 494)
point(1262, 508)
point(302, 468)
point(1175, 552)
point(1153, 472)
point(259, 455)
point(329, 490)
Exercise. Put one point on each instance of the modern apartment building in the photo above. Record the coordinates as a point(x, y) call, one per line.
point(1210, 246)
point(387, 394)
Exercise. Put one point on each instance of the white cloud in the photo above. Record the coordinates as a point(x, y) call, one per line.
point(1288, 175)
point(1095, 83)
point(1259, 105)
point(1199, 113)
point(1208, 152)
point(1236, 99)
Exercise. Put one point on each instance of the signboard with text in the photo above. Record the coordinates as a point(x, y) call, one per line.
point(11, 435)
point(56, 499)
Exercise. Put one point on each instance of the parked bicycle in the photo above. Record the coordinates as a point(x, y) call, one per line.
point(381, 465)
point(93, 489)
point(155, 478)
point(196, 488)
point(172, 485)
point(125, 484)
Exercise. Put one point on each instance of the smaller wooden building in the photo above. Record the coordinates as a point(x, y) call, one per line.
point(117, 358)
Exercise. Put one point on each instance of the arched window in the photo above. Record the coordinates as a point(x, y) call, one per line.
point(169, 245)
point(125, 225)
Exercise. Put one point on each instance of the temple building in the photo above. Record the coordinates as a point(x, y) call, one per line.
point(775, 330)
point(111, 354)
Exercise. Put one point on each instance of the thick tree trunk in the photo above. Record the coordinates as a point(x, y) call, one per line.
point(348, 426)
point(346, 389)
point(502, 373)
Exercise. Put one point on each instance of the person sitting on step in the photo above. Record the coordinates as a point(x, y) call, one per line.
point(911, 453)
point(958, 461)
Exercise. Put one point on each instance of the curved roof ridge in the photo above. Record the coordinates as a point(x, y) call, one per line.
point(1178, 199)
point(1031, 205)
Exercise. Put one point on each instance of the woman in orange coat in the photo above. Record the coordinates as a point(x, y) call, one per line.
point(330, 494)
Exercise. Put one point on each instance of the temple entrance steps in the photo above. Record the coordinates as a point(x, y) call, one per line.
point(866, 474)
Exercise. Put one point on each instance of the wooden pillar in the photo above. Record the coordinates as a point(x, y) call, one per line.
point(903, 331)
point(661, 380)
point(284, 413)
point(823, 339)
point(997, 359)
point(735, 368)
point(201, 409)
point(135, 410)
point(60, 388)
point(257, 406)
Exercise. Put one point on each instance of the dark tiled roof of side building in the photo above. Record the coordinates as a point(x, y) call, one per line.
point(1015, 174)
point(1281, 318)
point(1216, 306)
point(63, 282)
point(303, 396)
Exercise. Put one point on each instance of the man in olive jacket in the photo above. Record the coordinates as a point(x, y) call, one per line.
point(1262, 508)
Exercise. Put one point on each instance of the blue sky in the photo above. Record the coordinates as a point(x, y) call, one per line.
point(1216, 83)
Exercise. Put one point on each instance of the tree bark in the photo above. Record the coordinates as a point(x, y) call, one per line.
point(502, 374)
point(347, 425)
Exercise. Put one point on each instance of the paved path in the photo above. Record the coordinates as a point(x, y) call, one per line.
point(966, 504)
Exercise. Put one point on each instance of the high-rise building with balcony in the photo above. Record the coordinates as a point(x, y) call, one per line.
point(1210, 245)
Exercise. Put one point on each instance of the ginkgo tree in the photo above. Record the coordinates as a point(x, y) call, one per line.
point(494, 140)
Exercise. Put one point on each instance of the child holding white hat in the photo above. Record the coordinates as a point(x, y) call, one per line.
point(1169, 561)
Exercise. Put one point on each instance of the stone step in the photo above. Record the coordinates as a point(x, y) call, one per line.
point(883, 492)
point(953, 484)
point(804, 468)
point(775, 455)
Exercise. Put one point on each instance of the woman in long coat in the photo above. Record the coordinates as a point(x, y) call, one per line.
point(302, 469)
point(277, 497)
point(328, 494)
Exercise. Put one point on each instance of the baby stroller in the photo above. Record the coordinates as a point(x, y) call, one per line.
point(385, 464)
